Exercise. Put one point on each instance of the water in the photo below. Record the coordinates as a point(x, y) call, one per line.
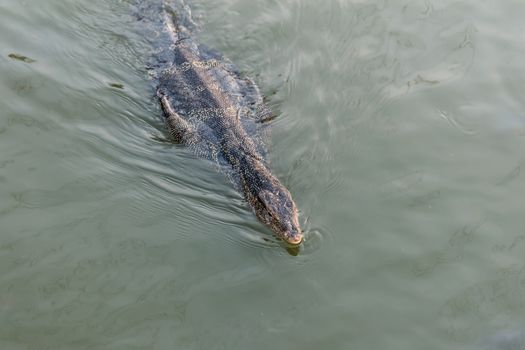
point(400, 133)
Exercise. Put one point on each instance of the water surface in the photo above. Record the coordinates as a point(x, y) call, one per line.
point(400, 133)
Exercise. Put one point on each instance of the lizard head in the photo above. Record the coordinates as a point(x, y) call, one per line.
point(277, 209)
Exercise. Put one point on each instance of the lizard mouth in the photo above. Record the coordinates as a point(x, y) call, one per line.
point(295, 239)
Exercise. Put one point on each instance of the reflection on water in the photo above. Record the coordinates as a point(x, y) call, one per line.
point(506, 339)
point(485, 304)
point(452, 252)
point(399, 128)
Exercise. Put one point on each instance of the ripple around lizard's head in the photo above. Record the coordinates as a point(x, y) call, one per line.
point(272, 250)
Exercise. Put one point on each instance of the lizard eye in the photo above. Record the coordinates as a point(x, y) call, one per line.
point(268, 200)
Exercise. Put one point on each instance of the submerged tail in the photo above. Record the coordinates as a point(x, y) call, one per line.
point(180, 14)
point(160, 14)
point(164, 23)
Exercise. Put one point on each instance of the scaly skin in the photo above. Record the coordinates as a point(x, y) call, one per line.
point(213, 110)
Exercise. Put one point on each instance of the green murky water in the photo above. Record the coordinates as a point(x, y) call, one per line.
point(401, 134)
